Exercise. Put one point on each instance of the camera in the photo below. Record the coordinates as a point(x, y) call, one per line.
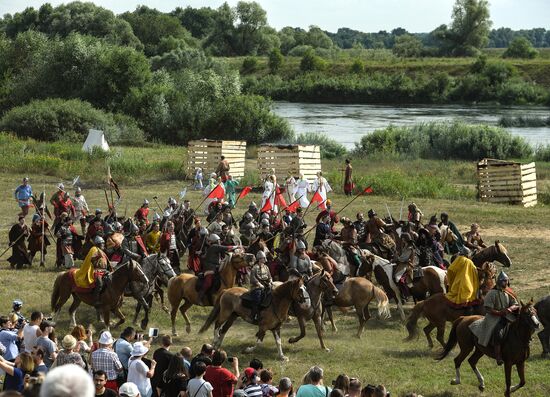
point(138, 337)
point(229, 359)
point(153, 332)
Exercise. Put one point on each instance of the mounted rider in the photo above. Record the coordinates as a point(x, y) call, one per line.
point(407, 263)
point(375, 231)
point(169, 248)
point(152, 240)
point(361, 226)
point(299, 260)
point(248, 229)
point(322, 231)
point(455, 246)
point(265, 233)
point(142, 212)
point(415, 215)
point(67, 238)
point(348, 236)
point(195, 243)
point(211, 262)
point(500, 304)
point(216, 225)
point(463, 279)
point(260, 280)
point(297, 226)
point(92, 269)
point(473, 239)
point(334, 218)
point(133, 245)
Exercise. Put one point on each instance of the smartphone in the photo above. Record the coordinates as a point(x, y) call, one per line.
point(153, 332)
point(229, 359)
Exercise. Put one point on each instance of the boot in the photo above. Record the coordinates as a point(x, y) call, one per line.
point(255, 315)
point(498, 354)
point(97, 292)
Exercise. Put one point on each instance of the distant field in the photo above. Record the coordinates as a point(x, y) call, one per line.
point(380, 356)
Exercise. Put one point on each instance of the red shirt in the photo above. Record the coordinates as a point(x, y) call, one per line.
point(221, 379)
point(142, 214)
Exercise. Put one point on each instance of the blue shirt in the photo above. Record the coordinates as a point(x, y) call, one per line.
point(313, 391)
point(15, 381)
point(23, 193)
point(49, 348)
point(123, 350)
point(8, 339)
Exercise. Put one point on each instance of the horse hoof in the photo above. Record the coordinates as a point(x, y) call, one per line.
point(188, 329)
point(165, 309)
point(292, 340)
point(455, 382)
point(327, 349)
point(174, 334)
point(143, 324)
point(481, 388)
point(249, 349)
point(283, 358)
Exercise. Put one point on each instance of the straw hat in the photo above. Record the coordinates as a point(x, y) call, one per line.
point(69, 342)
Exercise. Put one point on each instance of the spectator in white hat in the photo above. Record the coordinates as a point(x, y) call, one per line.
point(105, 359)
point(138, 372)
point(67, 381)
point(68, 354)
point(129, 389)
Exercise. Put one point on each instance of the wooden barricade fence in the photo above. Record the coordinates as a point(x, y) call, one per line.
point(507, 182)
point(206, 154)
point(296, 159)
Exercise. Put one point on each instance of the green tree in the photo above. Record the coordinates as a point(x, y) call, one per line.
point(407, 46)
point(317, 38)
point(275, 61)
point(198, 21)
point(250, 65)
point(520, 47)
point(251, 18)
point(311, 62)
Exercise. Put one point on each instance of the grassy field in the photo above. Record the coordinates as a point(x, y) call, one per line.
point(380, 356)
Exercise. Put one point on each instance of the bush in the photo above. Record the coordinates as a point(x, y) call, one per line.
point(250, 65)
point(311, 62)
point(520, 47)
point(69, 120)
point(329, 147)
point(358, 66)
point(276, 60)
point(300, 50)
point(407, 46)
point(445, 141)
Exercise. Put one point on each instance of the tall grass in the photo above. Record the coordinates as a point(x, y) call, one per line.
point(524, 121)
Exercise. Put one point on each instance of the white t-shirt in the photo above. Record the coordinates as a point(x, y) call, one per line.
point(198, 388)
point(137, 373)
point(29, 336)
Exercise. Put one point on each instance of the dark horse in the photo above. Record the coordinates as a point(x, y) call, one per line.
point(543, 310)
point(492, 253)
point(515, 346)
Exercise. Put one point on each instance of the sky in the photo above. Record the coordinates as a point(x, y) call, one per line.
point(363, 15)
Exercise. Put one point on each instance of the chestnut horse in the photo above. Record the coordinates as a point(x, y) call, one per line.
point(492, 253)
point(183, 287)
point(515, 346)
point(230, 306)
point(438, 311)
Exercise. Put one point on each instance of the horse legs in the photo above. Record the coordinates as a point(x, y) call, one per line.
point(259, 339)
point(427, 331)
point(521, 373)
point(474, 358)
point(147, 310)
point(221, 328)
point(440, 336)
point(302, 324)
point(72, 309)
point(277, 336)
point(183, 311)
point(136, 314)
point(173, 315)
point(397, 293)
point(363, 315)
point(319, 329)
point(508, 376)
point(159, 293)
point(329, 314)
point(544, 337)
point(120, 315)
point(464, 351)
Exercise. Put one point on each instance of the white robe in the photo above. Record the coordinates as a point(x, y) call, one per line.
point(269, 194)
point(321, 185)
point(290, 184)
point(302, 188)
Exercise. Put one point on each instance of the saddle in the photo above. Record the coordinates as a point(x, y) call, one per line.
point(265, 301)
point(216, 283)
point(82, 290)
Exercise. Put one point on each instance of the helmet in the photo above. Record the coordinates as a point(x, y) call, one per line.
point(117, 226)
point(300, 245)
point(108, 229)
point(371, 213)
point(134, 229)
point(260, 255)
point(463, 251)
point(248, 216)
point(145, 202)
point(328, 202)
point(78, 190)
point(171, 201)
point(264, 215)
point(17, 304)
point(265, 222)
point(203, 231)
point(98, 211)
point(35, 217)
point(345, 220)
point(213, 238)
point(98, 240)
point(156, 217)
point(213, 175)
point(61, 186)
point(502, 277)
point(252, 205)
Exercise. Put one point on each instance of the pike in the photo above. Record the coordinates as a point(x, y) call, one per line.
point(157, 203)
point(389, 213)
point(42, 259)
point(401, 210)
point(12, 244)
point(367, 190)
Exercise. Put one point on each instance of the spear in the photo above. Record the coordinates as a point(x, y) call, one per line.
point(12, 244)
point(367, 190)
point(401, 210)
point(42, 259)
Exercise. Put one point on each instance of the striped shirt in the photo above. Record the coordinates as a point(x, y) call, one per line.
point(253, 390)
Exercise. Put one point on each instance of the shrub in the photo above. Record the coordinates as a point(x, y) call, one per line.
point(520, 47)
point(329, 147)
point(445, 141)
point(69, 120)
point(276, 60)
point(358, 66)
point(300, 50)
point(524, 121)
point(407, 46)
point(311, 62)
point(250, 65)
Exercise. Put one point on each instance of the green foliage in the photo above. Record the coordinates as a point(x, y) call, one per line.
point(58, 119)
point(275, 61)
point(524, 121)
point(520, 47)
point(358, 66)
point(445, 141)
point(300, 50)
point(408, 46)
point(329, 147)
point(542, 153)
point(311, 62)
point(250, 65)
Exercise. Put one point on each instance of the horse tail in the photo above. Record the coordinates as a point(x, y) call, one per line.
point(56, 292)
point(383, 303)
point(451, 342)
point(211, 317)
point(416, 313)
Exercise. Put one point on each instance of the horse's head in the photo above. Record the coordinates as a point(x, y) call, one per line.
point(240, 259)
point(528, 316)
point(299, 293)
point(502, 254)
point(326, 284)
point(164, 268)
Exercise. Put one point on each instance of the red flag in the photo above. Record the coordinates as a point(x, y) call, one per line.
point(267, 206)
point(245, 191)
point(316, 198)
point(323, 205)
point(293, 206)
point(367, 190)
point(280, 200)
point(218, 192)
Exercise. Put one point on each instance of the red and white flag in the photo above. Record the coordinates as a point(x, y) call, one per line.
point(218, 192)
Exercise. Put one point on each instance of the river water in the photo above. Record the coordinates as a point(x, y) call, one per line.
point(348, 123)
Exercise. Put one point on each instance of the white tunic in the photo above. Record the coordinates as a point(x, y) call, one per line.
point(321, 185)
point(80, 204)
point(290, 184)
point(302, 188)
point(269, 194)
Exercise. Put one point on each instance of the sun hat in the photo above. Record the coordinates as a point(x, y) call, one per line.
point(69, 342)
point(139, 349)
point(106, 338)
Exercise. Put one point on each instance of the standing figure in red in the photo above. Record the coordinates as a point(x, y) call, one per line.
point(142, 213)
point(168, 246)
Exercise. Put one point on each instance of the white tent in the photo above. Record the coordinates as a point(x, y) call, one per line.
point(96, 138)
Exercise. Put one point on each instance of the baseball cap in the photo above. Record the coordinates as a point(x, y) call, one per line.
point(128, 389)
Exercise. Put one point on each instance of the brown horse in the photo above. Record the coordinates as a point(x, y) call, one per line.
point(317, 287)
point(111, 297)
point(359, 292)
point(493, 253)
point(515, 346)
point(230, 306)
point(438, 311)
point(183, 287)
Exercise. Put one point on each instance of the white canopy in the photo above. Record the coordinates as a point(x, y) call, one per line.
point(96, 138)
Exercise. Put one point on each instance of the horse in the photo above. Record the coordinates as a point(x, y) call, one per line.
point(317, 286)
point(543, 310)
point(438, 311)
point(230, 306)
point(515, 346)
point(431, 282)
point(359, 292)
point(493, 253)
point(158, 270)
point(338, 253)
point(111, 297)
point(183, 287)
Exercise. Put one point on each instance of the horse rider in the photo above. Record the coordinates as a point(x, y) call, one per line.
point(375, 230)
point(348, 236)
point(500, 304)
point(407, 261)
point(133, 245)
point(265, 233)
point(322, 231)
point(143, 212)
point(248, 229)
point(227, 217)
point(473, 238)
point(215, 208)
point(65, 233)
point(260, 280)
point(334, 218)
point(93, 269)
point(361, 226)
point(253, 210)
point(169, 247)
point(195, 243)
point(299, 260)
point(152, 240)
point(415, 215)
point(297, 226)
point(168, 211)
point(456, 246)
point(211, 262)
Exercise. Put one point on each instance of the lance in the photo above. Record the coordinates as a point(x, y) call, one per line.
point(401, 210)
point(205, 198)
point(389, 213)
point(12, 244)
point(309, 205)
point(42, 259)
point(157, 203)
point(352, 200)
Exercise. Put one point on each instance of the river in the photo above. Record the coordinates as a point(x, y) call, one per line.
point(348, 123)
